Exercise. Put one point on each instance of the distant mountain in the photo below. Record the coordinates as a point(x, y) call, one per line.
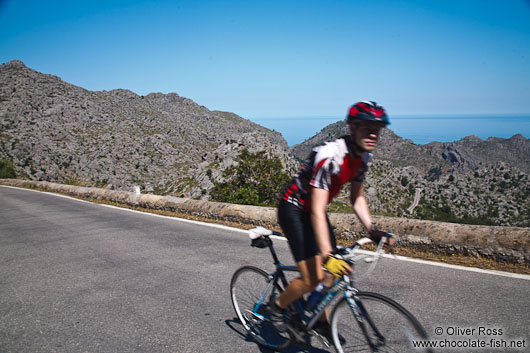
point(471, 180)
point(52, 130)
point(466, 154)
point(56, 131)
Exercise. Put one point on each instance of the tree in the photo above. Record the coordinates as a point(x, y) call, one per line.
point(256, 179)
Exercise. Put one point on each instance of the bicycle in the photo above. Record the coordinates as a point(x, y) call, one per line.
point(360, 321)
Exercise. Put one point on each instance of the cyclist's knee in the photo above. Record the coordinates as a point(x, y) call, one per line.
point(309, 284)
point(310, 274)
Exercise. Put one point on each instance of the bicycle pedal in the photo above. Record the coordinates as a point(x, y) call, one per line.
point(297, 335)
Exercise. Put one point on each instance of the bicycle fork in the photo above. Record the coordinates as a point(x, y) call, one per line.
point(362, 317)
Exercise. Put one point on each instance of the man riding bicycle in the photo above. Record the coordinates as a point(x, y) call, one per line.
point(302, 210)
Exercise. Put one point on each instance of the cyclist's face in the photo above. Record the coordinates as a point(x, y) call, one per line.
point(366, 134)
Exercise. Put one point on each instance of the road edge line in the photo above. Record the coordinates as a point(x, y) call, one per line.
point(221, 226)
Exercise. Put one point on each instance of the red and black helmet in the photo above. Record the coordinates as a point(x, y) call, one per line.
point(367, 111)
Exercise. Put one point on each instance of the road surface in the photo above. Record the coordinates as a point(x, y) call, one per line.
point(82, 277)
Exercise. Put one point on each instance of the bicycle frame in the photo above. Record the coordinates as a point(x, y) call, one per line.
point(273, 277)
point(278, 274)
point(337, 288)
point(303, 322)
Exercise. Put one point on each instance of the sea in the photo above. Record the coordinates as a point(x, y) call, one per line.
point(421, 130)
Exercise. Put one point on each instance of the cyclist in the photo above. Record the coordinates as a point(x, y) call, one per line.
point(302, 210)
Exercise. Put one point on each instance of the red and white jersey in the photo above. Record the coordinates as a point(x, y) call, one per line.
point(328, 167)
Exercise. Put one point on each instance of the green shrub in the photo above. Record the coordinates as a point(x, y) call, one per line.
point(256, 179)
point(6, 169)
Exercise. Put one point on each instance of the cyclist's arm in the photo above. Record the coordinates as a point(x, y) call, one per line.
point(319, 202)
point(360, 206)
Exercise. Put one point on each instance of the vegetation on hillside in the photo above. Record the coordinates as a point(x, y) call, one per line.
point(169, 145)
point(256, 179)
point(6, 169)
point(54, 131)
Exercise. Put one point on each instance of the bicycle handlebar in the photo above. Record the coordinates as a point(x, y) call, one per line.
point(348, 253)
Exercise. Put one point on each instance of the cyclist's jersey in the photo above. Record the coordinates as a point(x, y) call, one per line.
point(328, 167)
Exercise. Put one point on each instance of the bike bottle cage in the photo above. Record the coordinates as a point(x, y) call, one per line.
point(260, 237)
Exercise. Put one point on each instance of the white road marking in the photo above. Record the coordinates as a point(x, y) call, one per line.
point(220, 226)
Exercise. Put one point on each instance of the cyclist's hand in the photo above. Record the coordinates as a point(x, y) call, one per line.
point(377, 235)
point(337, 267)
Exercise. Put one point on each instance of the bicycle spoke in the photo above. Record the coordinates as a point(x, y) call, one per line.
point(249, 286)
point(381, 317)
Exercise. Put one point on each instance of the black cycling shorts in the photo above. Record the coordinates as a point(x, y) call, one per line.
point(297, 228)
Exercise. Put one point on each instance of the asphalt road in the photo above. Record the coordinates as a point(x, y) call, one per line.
point(82, 277)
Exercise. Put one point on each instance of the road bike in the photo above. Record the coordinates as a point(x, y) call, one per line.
point(360, 321)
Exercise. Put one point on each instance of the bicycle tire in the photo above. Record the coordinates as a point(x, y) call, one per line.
point(398, 326)
point(246, 288)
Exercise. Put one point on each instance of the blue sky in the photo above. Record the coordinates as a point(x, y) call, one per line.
point(285, 58)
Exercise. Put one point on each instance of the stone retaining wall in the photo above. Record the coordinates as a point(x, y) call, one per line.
point(511, 244)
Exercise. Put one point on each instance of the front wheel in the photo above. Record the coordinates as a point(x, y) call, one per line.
point(384, 326)
point(251, 292)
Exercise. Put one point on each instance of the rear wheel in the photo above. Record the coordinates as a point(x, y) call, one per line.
point(386, 326)
point(251, 301)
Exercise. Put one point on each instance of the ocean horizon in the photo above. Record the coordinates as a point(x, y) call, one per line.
point(421, 130)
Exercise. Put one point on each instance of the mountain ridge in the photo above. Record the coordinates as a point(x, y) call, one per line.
point(56, 131)
point(467, 153)
point(52, 130)
point(468, 181)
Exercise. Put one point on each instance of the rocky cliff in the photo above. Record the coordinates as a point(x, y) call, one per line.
point(167, 144)
point(471, 180)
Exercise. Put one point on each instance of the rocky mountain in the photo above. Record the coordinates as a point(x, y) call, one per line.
point(167, 144)
point(466, 154)
point(471, 180)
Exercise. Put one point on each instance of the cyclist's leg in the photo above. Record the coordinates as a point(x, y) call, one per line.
point(304, 245)
point(297, 227)
point(310, 275)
